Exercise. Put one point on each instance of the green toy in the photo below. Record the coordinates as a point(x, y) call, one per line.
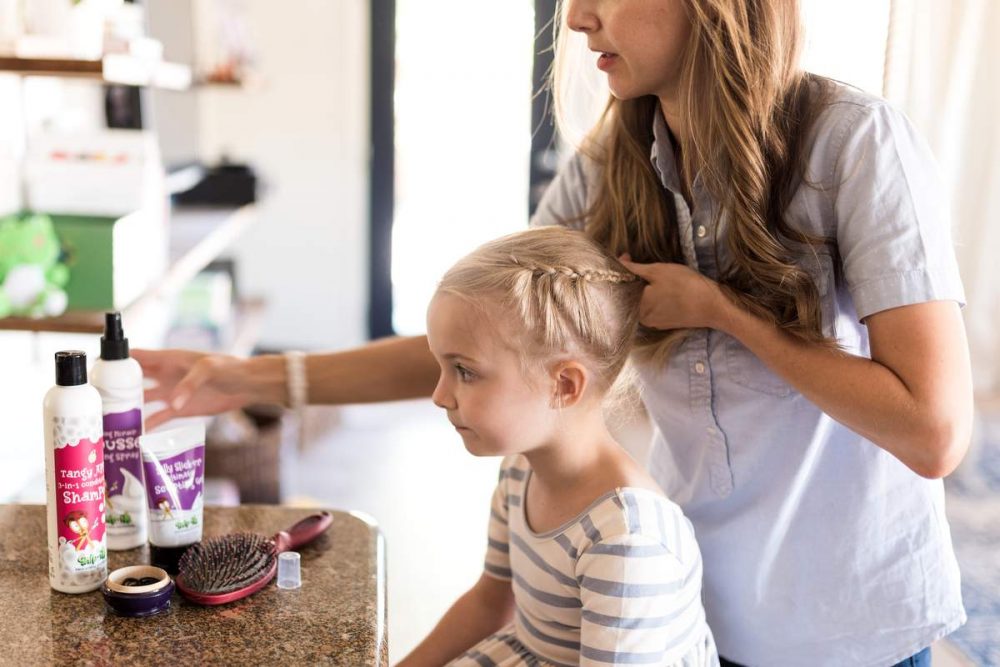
point(32, 276)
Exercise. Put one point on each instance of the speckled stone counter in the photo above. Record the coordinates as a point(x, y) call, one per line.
point(337, 617)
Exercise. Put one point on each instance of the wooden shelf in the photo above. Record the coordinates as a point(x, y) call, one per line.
point(113, 68)
point(197, 236)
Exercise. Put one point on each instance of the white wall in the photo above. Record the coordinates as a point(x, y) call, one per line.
point(305, 128)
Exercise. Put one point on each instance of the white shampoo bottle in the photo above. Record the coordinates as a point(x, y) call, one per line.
point(74, 478)
point(118, 378)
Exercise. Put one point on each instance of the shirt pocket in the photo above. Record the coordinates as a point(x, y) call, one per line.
point(747, 370)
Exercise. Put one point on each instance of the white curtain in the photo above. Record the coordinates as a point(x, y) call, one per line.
point(943, 70)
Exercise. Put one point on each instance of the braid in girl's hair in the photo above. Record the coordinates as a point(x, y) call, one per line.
point(589, 275)
point(565, 292)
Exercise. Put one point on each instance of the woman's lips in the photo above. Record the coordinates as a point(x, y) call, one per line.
point(606, 61)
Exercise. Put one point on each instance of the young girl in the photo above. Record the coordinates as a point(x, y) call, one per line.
point(587, 562)
point(796, 233)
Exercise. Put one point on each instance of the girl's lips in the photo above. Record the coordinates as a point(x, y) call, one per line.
point(606, 61)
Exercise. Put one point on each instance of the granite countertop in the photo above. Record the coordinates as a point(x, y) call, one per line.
point(337, 617)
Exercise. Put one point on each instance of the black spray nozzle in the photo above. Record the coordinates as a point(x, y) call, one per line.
point(114, 344)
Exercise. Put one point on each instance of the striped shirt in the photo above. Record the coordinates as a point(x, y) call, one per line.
point(620, 583)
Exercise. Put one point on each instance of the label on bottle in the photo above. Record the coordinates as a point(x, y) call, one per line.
point(79, 496)
point(174, 486)
point(125, 493)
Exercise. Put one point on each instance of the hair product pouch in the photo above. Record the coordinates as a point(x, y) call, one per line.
point(174, 467)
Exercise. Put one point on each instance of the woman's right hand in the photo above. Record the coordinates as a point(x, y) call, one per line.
point(194, 383)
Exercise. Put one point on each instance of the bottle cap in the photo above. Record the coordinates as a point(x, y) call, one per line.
point(71, 368)
point(114, 344)
point(289, 573)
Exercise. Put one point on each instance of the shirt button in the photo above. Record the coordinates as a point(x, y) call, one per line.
point(699, 368)
point(701, 231)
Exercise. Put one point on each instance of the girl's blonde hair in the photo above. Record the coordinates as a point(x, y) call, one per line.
point(746, 108)
point(563, 293)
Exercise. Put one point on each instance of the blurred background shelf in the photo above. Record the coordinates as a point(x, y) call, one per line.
point(113, 68)
point(249, 318)
point(197, 236)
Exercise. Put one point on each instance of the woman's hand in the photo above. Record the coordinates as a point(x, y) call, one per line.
point(677, 297)
point(194, 383)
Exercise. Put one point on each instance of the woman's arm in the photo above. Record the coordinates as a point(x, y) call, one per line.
point(913, 398)
point(484, 609)
point(193, 383)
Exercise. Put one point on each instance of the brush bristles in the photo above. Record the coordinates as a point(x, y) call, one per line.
point(225, 564)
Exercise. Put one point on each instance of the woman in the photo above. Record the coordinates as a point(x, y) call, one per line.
point(816, 380)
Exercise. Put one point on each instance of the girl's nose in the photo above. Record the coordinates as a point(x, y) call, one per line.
point(580, 17)
point(442, 396)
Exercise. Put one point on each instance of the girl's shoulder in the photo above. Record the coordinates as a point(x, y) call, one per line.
point(640, 518)
point(514, 466)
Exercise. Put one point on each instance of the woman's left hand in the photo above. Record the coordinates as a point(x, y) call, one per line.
point(677, 297)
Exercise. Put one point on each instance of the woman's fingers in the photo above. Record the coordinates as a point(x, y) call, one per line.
point(193, 393)
point(160, 392)
point(158, 418)
point(190, 383)
point(644, 271)
point(148, 359)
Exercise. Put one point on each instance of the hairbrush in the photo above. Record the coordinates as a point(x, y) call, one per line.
point(230, 567)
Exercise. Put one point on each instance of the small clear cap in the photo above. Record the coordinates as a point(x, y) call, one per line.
point(289, 573)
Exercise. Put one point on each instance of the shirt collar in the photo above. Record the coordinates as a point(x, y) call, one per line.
point(662, 154)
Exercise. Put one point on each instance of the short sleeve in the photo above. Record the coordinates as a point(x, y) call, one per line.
point(641, 604)
point(565, 200)
point(892, 215)
point(497, 563)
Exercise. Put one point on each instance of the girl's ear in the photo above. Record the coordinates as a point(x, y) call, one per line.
point(570, 381)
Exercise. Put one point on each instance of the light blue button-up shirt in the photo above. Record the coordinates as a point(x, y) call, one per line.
point(820, 548)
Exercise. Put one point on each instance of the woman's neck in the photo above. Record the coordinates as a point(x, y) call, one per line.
point(672, 117)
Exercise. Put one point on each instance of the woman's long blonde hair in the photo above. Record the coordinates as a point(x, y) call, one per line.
point(557, 292)
point(745, 108)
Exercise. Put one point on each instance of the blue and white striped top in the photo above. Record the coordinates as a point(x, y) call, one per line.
point(620, 583)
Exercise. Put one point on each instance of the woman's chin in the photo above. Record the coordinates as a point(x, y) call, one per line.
point(620, 90)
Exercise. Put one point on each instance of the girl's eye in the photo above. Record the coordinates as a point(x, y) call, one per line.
point(464, 373)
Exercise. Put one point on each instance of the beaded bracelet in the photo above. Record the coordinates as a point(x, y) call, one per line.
point(298, 382)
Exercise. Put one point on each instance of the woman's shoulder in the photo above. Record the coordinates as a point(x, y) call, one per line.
point(848, 112)
point(567, 197)
point(852, 127)
point(842, 96)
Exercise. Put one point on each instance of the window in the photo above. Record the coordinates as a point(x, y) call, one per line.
point(463, 138)
point(846, 40)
